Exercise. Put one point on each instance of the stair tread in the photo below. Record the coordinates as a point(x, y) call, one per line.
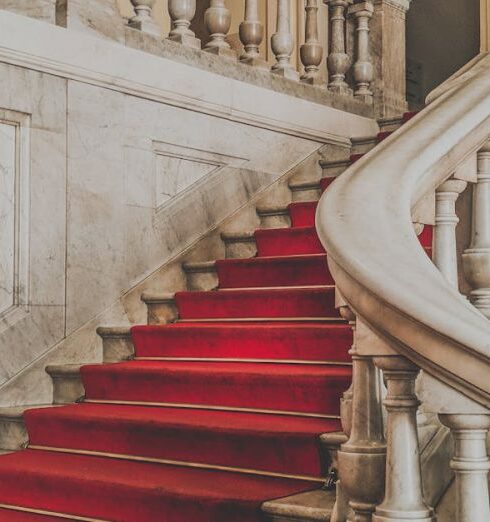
point(122, 490)
point(170, 434)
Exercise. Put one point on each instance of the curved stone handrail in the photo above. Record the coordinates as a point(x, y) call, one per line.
point(364, 222)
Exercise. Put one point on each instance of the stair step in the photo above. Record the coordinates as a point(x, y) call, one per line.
point(303, 213)
point(311, 506)
point(334, 168)
point(309, 342)
point(111, 489)
point(288, 241)
point(67, 384)
point(243, 440)
point(282, 271)
point(274, 216)
point(305, 190)
point(116, 343)
point(325, 183)
point(201, 275)
point(258, 303)
point(162, 308)
point(298, 388)
point(239, 244)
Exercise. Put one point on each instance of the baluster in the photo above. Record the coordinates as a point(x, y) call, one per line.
point(182, 13)
point(361, 460)
point(445, 252)
point(403, 498)
point(363, 68)
point(143, 19)
point(470, 464)
point(476, 259)
point(218, 22)
point(338, 60)
point(282, 42)
point(251, 35)
point(311, 51)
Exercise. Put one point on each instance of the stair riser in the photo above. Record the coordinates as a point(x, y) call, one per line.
point(202, 281)
point(303, 215)
point(312, 194)
point(300, 343)
point(238, 249)
point(13, 434)
point(309, 394)
point(275, 221)
point(161, 312)
point(67, 389)
point(288, 242)
point(117, 348)
point(256, 305)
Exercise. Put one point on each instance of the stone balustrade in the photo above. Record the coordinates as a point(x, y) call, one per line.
point(350, 48)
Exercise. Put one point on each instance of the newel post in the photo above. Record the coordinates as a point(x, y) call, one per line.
point(476, 259)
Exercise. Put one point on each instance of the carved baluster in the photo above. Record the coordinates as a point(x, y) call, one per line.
point(338, 60)
point(218, 22)
point(403, 498)
point(282, 42)
point(470, 464)
point(143, 19)
point(251, 35)
point(363, 68)
point(476, 259)
point(361, 460)
point(311, 51)
point(182, 13)
point(445, 252)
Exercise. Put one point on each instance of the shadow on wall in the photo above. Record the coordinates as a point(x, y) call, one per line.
point(442, 35)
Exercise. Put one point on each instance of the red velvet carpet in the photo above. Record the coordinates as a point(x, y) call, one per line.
point(156, 436)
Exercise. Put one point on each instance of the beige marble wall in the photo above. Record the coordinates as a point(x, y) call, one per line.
point(94, 135)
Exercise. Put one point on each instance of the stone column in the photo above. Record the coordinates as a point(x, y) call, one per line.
point(338, 61)
point(470, 464)
point(251, 35)
point(445, 251)
point(282, 42)
point(218, 22)
point(311, 51)
point(182, 13)
point(363, 68)
point(388, 28)
point(143, 19)
point(476, 258)
point(403, 499)
point(96, 17)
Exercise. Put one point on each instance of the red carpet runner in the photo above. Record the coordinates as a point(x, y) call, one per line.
point(156, 436)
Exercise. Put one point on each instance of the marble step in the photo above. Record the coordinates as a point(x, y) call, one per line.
point(117, 344)
point(334, 168)
point(161, 306)
point(305, 191)
point(274, 216)
point(67, 383)
point(201, 275)
point(364, 144)
point(239, 244)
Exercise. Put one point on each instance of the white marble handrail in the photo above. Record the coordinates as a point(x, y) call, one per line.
point(365, 222)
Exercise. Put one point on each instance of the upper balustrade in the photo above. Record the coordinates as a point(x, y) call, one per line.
point(339, 46)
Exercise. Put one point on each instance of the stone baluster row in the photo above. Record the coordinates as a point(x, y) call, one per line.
point(217, 20)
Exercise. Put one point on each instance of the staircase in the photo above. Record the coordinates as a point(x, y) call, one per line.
point(215, 413)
